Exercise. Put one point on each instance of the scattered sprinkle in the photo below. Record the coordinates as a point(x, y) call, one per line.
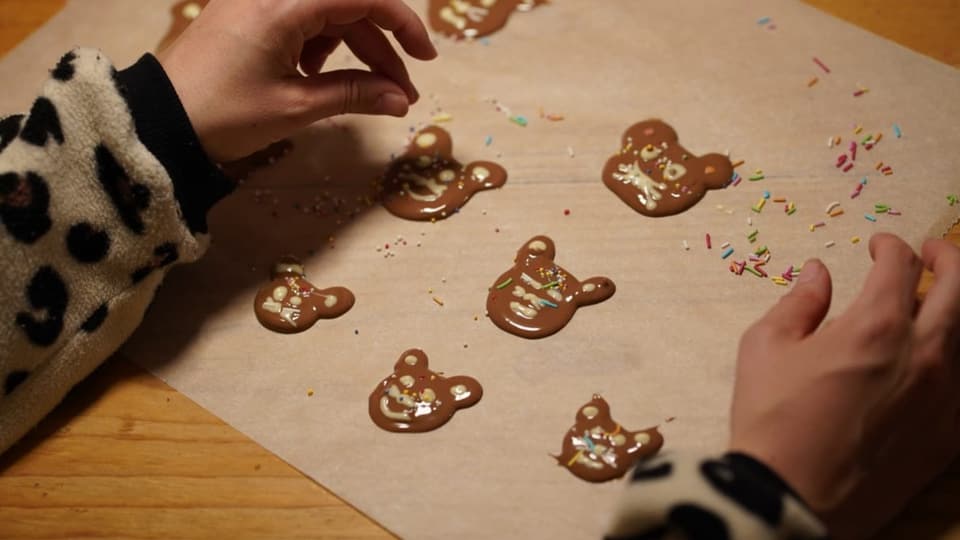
point(832, 206)
point(952, 200)
point(857, 129)
point(727, 253)
point(442, 117)
point(506, 282)
point(855, 240)
point(709, 243)
point(725, 245)
point(870, 217)
point(548, 303)
point(438, 301)
point(881, 208)
point(779, 280)
point(860, 92)
point(847, 167)
point(738, 163)
point(829, 244)
point(812, 81)
point(821, 64)
point(836, 213)
point(763, 20)
point(309, 392)
point(570, 151)
point(758, 175)
point(519, 120)
point(766, 195)
point(488, 141)
point(566, 211)
point(896, 131)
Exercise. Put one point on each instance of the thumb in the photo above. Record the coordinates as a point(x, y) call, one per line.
point(801, 310)
point(349, 91)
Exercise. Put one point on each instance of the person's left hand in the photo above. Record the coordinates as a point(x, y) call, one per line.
point(235, 68)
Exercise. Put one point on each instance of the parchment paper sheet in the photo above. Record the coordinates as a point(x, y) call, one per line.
point(662, 347)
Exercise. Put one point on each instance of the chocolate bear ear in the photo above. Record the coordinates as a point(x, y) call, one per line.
point(431, 141)
point(595, 290)
point(716, 170)
point(538, 246)
point(464, 390)
point(595, 410)
point(485, 175)
point(411, 359)
point(648, 131)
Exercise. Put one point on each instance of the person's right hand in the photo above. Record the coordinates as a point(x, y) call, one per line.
point(860, 413)
point(235, 68)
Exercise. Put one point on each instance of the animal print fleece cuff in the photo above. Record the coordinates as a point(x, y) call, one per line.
point(164, 128)
point(701, 497)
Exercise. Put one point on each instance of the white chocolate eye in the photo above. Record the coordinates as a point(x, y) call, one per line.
point(590, 411)
point(330, 301)
point(447, 175)
point(426, 140)
point(296, 301)
point(649, 152)
point(619, 439)
point(674, 172)
point(191, 11)
point(538, 246)
point(411, 360)
point(428, 395)
point(481, 173)
point(641, 438)
point(279, 293)
point(407, 381)
point(589, 287)
point(458, 390)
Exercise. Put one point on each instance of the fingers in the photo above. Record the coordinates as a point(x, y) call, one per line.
point(940, 311)
point(890, 287)
point(347, 91)
point(391, 15)
point(315, 53)
point(801, 310)
point(373, 49)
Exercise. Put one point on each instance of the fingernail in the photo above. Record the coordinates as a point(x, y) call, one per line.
point(811, 269)
point(392, 104)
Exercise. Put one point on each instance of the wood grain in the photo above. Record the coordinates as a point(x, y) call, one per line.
point(126, 456)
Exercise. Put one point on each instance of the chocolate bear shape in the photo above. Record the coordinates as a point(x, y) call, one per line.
point(414, 399)
point(537, 298)
point(656, 176)
point(427, 183)
point(474, 18)
point(291, 304)
point(598, 449)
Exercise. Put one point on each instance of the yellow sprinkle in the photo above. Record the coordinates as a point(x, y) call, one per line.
point(858, 130)
point(855, 240)
point(837, 212)
point(437, 301)
point(442, 117)
point(575, 458)
point(309, 391)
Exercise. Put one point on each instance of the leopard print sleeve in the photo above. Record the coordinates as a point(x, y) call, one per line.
point(698, 498)
point(103, 186)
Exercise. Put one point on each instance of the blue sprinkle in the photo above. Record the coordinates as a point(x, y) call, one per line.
point(548, 303)
point(728, 252)
point(766, 194)
point(485, 41)
point(489, 140)
point(863, 181)
point(763, 20)
point(870, 217)
point(896, 130)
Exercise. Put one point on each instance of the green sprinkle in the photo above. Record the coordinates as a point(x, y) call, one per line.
point(752, 271)
point(519, 120)
point(753, 234)
point(756, 177)
point(505, 283)
point(551, 284)
point(760, 251)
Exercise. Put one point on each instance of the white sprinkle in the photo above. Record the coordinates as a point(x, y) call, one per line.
point(832, 205)
point(686, 246)
point(750, 221)
point(570, 151)
point(725, 245)
point(831, 243)
point(829, 142)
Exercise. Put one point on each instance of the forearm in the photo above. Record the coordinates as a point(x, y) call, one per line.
point(103, 187)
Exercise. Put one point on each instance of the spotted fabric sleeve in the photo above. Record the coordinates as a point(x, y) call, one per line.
point(699, 498)
point(103, 186)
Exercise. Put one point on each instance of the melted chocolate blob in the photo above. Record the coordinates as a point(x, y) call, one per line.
point(598, 449)
point(474, 18)
point(427, 183)
point(536, 298)
point(414, 399)
point(291, 304)
point(656, 176)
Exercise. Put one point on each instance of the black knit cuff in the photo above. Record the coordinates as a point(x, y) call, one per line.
point(164, 128)
point(751, 467)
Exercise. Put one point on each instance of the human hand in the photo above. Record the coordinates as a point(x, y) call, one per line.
point(858, 414)
point(235, 67)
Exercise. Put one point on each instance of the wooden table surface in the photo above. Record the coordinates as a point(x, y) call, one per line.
point(126, 456)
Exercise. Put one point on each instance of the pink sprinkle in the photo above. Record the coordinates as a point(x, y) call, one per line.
point(758, 269)
point(859, 93)
point(893, 212)
point(848, 167)
point(853, 151)
point(709, 243)
point(741, 267)
point(821, 64)
point(841, 159)
point(787, 276)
